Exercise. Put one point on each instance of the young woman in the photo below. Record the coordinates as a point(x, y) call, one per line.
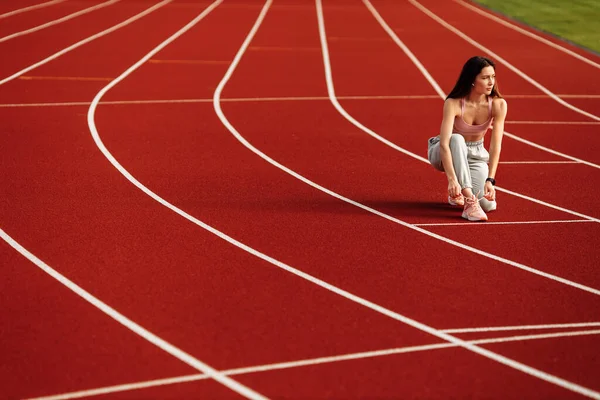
point(471, 108)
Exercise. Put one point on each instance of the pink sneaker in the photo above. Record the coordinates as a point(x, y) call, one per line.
point(457, 201)
point(473, 211)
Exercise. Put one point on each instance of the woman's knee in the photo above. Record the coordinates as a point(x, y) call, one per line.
point(457, 141)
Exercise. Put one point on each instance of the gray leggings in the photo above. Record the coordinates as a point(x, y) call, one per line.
point(470, 164)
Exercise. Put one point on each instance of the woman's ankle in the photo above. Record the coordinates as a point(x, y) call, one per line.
point(467, 192)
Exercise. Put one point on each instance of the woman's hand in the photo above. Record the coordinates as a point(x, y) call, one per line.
point(454, 188)
point(489, 192)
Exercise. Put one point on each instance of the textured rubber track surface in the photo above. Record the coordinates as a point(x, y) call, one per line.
point(64, 202)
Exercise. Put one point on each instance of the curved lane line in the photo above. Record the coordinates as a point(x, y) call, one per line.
point(532, 35)
point(199, 365)
point(441, 93)
point(549, 150)
point(30, 8)
point(523, 327)
point(302, 363)
point(409, 321)
point(502, 60)
point(123, 320)
point(307, 98)
point(85, 41)
point(114, 314)
point(58, 21)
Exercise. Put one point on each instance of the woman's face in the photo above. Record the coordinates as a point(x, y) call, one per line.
point(485, 81)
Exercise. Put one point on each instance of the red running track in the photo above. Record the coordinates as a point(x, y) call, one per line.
point(66, 204)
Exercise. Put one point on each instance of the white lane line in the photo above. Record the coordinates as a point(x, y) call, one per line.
point(299, 273)
point(441, 93)
point(304, 363)
point(58, 21)
point(539, 162)
point(5, 239)
point(64, 104)
point(549, 150)
point(123, 388)
point(577, 96)
point(523, 327)
point(521, 367)
point(552, 122)
point(85, 41)
point(342, 111)
point(236, 99)
point(502, 60)
point(411, 322)
point(548, 204)
point(532, 35)
point(435, 85)
point(347, 200)
point(506, 223)
point(305, 98)
point(199, 365)
point(30, 8)
point(117, 316)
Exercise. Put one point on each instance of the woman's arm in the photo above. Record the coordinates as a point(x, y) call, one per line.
point(499, 110)
point(454, 188)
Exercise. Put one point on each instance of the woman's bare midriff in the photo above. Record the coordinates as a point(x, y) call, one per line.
point(472, 138)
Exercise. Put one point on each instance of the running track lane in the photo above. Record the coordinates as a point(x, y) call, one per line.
point(575, 75)
point(557, 43)
point(376, 113)
point(415, 28)
point(179, 152)
point(542, 138)
point(46, 326)
point(591, 258)
point(345, 62)
point(29, 49)
point(28, 20)
point(19, 7)
point(590, 82)
point(585, 201)
point(73, 376)
point(50, 81)
point(582, 73)
point(132, 263)
point(558, 71)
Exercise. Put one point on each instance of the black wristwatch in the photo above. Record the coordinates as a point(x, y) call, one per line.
point(492, 180)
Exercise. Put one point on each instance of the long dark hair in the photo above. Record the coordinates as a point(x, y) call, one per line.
point(469, 72)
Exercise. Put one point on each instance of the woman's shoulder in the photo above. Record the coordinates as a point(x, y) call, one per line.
point(498, 101)
point(499, 106)
point(453, 104)
point(453, 100)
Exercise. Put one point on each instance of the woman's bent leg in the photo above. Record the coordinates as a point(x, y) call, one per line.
point(478, 158)
point(433, 153)
point(460, 161)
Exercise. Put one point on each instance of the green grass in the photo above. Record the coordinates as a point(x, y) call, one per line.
point(577, 21)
